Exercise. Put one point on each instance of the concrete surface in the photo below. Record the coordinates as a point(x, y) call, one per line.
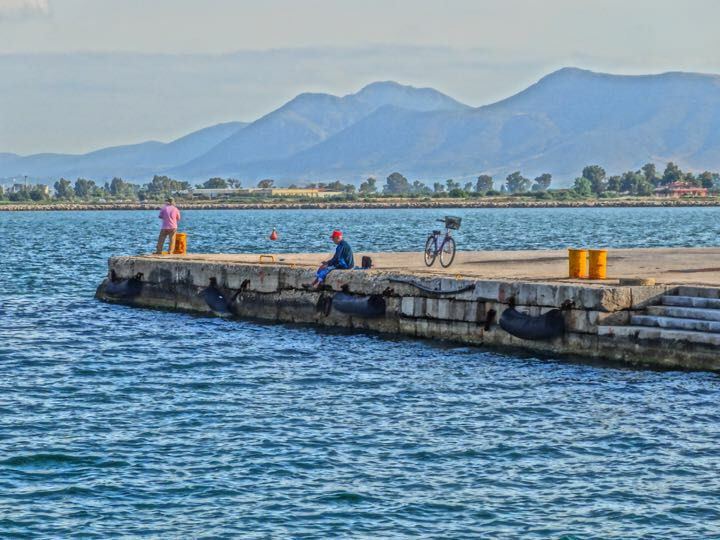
point(668, 266)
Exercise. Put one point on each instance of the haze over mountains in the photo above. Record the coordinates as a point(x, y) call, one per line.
point(132, 161)
point(568, 119)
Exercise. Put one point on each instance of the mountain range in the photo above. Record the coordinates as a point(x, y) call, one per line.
point(568, 119)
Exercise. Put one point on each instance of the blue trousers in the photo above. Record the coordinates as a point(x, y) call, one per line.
point(323, 272)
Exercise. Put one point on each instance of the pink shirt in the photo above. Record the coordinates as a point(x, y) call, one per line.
point(170, 216)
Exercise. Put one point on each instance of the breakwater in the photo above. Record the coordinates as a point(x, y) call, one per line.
point(398, 203)
point(586, 320)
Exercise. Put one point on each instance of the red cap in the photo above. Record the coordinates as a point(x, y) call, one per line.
point(336, 234)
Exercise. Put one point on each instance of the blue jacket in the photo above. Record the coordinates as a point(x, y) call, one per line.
point(343, 257)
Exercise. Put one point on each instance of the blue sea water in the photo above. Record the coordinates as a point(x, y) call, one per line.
point(121, 422)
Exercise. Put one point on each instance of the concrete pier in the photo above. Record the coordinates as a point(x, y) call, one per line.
point(674, 323)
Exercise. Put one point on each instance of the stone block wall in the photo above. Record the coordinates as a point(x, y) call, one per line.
point(275, 293)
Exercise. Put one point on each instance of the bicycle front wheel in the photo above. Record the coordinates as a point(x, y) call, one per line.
point(430, 252)
point(447, 253)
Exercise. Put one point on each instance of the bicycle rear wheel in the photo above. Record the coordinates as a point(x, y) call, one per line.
point(430, 251)
point(447, 252)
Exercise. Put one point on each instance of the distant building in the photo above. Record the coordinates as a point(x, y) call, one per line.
point(681, 189)
point(259, 192)
point(302, 192)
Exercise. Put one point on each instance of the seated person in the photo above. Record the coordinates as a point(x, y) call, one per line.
point(342, 259)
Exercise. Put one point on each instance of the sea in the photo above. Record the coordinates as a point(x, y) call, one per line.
point(118, 422)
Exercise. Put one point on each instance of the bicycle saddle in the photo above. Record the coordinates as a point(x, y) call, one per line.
point(437, 232)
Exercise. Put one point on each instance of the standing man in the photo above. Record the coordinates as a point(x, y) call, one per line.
point(170, 216)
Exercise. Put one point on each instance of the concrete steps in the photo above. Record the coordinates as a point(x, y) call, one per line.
point(692, 316)
point(703, 314)
point(697, 292)
point(697, 325)
point(648, 333)
point(691, 301)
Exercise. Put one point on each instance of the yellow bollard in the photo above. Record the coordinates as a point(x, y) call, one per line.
point(598, 263)
point(180, 244)
point(577, 263)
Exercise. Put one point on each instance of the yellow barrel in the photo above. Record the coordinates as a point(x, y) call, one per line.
point(598, 263)
point(577, 263)
point(180, 244)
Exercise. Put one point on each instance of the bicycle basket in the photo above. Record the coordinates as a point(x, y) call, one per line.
point(452, 222)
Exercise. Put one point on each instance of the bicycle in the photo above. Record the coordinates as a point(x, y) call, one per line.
point(444, 246)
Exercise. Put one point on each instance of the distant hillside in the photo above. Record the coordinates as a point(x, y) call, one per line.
point(563, 122)
point(567, 120)
point(306, 121)
point(134, 161)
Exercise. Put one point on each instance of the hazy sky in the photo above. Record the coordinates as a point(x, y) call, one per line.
point(189, 64)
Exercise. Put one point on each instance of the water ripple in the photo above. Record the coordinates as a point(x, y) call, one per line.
point(124, 422)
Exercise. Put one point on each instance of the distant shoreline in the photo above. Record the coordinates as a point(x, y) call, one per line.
point(373, 204)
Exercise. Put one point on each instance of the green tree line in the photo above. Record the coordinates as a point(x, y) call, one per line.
point(83, 189)
point(643, 182)
point(593, 182)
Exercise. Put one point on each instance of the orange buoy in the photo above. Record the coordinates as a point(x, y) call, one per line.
point(273, 235)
